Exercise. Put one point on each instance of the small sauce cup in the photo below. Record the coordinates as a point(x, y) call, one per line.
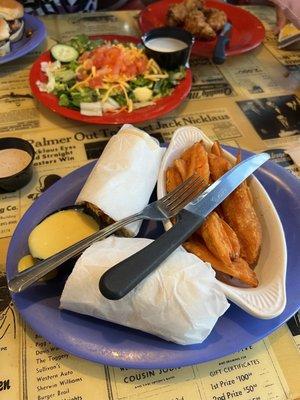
point(16, 178)
point(169, 47)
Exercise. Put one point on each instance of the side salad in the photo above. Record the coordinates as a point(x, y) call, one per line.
point(98, 76)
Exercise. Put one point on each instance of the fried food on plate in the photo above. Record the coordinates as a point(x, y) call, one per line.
point(195, 18)
point(239, 213)
point(176, 14)
point(192, 5)
point(230, 237)
point(234, 241)
point(173, 179)
point(218, 164)
point(216, 149)
point(181, 166)
point(193, 161)
point(238, 208)
point(216, 239)
point(196, 159)
point(129, 164)
point(215, 18)
point(238, 269)
point(196, 24)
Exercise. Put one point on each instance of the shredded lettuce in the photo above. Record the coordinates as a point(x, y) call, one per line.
point(120, 99)
point(82, 43)
point(164, 86)
point(140, 81)
point(64, 100)
point(64, 75)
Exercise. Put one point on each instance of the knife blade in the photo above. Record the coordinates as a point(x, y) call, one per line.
point(119, 280)
point(219, 54)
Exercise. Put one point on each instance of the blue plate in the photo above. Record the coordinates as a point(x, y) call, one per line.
point(26, 44)
point(112, 344)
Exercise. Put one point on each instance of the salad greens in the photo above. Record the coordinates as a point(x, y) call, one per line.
point(141, 89)
point(82, 43)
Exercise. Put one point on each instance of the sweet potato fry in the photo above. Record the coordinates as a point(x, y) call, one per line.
point(218, 166)
point(230, 280)
point(241, 216)
point(230, 236)
point(235, 244)
point(238, 269)
point(173, 179)
point(196, 159)
point(181, 167)
point(249, 193)
point(216, 239)
point(238, 209)
point(216, 149)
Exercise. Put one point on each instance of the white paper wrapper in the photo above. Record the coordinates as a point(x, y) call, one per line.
point(180, 301)
point(124, 177)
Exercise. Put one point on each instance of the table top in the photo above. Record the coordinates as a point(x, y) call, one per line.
point(251, 101)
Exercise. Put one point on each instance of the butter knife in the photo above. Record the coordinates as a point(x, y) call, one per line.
point(123, 277)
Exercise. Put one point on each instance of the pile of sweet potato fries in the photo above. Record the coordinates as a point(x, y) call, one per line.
point(230, 238)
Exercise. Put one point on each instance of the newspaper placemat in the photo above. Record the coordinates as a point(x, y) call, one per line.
point(250, 101)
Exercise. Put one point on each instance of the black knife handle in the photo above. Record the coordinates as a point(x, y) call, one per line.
point(119, 280)
point(219, 55)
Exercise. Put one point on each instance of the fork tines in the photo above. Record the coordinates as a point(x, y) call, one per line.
point(183, 194)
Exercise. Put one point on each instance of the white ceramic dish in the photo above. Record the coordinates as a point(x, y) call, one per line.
point(268, 300)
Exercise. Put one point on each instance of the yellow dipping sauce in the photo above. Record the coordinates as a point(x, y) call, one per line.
point(26, 262)
point(59, 231)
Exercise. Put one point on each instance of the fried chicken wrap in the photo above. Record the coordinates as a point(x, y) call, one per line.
point(180, 301)
point(124, 177)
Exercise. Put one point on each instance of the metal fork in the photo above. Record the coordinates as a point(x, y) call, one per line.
point(164, 208)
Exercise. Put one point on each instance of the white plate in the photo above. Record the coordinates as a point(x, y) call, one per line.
point(268, 300)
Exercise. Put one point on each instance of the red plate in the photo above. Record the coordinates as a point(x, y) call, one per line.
point(247, 31)
point(161, 106)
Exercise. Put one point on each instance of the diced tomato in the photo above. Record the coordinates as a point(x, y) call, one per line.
point(116, 69)
point(99, 60)
point(95, 83)
point(113, 54)
point(131, 70)
point(103, 71)
point(141, 65)
point(115, 61)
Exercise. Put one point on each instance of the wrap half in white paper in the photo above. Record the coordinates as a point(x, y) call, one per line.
point(180, 301)
point(124, 177)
